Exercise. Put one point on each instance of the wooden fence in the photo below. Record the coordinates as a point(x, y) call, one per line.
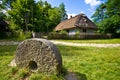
point(80, 36)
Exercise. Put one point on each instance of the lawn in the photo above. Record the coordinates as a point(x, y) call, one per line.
point(95, 63)
point(102, 41)
point(90, 62)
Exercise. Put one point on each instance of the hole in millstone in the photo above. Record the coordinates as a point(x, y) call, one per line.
point(33, 65)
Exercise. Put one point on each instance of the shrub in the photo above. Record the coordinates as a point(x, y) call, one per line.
point(28, 34)
point(63, 32)
point(77, 33)
point(21, 35)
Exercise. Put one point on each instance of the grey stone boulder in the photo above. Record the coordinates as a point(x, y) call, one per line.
point(38, 55)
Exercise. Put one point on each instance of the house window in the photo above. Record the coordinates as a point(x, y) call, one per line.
point(84, 30)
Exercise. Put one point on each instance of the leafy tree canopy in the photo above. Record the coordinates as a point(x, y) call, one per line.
point(107, 17)
point(62, 10)
point(29, 15)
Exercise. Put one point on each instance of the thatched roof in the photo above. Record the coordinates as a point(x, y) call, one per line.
point(79, 21)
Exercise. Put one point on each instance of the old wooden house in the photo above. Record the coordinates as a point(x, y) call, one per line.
point(79, 23)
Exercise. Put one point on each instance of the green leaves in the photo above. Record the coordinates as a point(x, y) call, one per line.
point(31, 16)
point(107, 17)
point(99, 14)
point(62, 12)
point(113, 7)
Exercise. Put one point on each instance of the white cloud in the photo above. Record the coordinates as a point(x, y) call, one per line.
point(71, 14)
point(93, 2)
point(82, 12)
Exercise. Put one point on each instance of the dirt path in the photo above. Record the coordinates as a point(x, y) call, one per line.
point(9, 43)
point(68, 44)
point(85, 44)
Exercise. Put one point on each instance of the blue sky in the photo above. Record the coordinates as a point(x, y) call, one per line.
point(75, 7)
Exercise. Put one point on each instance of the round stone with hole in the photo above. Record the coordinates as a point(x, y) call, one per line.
point(39, 55)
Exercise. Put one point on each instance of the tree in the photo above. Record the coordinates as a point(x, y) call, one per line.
point(46, 8)
point(111, 25)
point(62, 10)
point(113, 7)
point(110, 20)
point(7, 3)
point(99, 14)
point(21, 13)
point(54, 18)
point(2, 15)
point(48, 17)
point(29, 15)
point(38, 19)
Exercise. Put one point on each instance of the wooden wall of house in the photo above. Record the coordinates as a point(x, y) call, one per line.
point(88, 31)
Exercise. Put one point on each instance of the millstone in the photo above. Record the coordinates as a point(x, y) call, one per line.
point(39, 55)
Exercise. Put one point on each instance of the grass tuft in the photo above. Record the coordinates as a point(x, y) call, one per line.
point(23, 73)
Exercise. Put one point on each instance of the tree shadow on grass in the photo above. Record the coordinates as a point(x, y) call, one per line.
point(81, 76)
point(75, 76)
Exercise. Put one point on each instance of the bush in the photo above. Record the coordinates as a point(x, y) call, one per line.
point(63, 32)
point(20, 34)
point(77, 33)
point(28, 34)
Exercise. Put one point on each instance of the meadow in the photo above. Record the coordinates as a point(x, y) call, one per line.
point(95, 63)
point(89, 63)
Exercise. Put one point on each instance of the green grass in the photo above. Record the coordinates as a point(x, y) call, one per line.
point(6, 55)
point(11, 39)
point(87, 62)
point(95, 63)
point(14, 73)
point(102, 41)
